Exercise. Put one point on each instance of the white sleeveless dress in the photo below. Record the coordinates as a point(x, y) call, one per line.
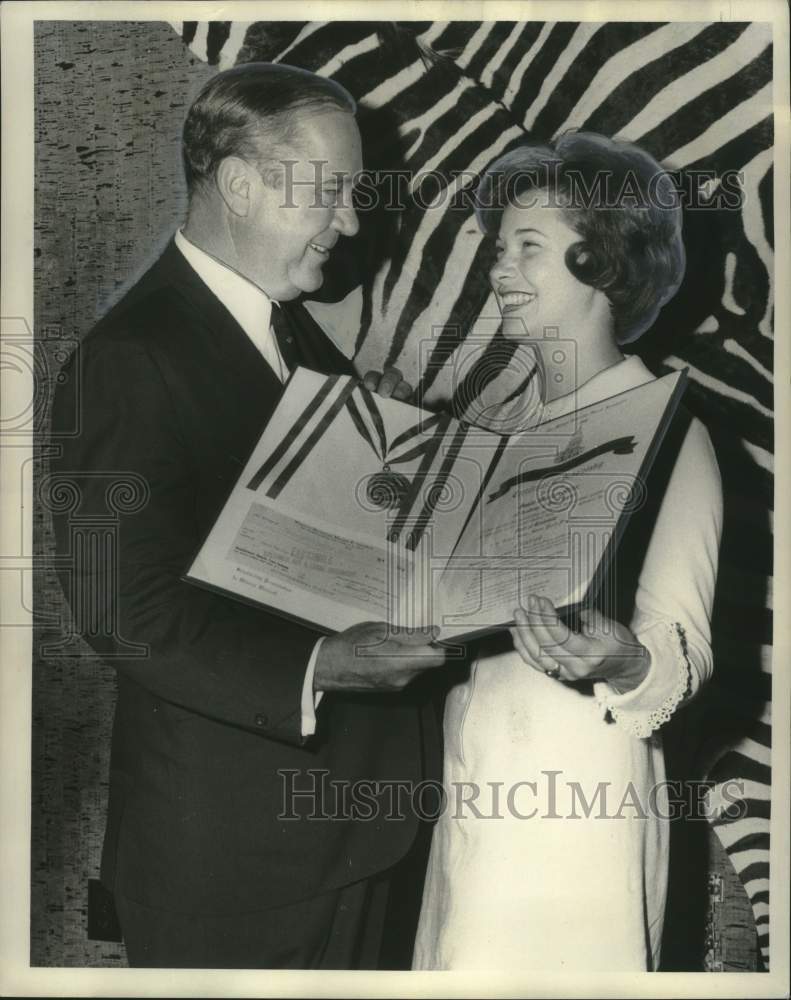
point(559, 861)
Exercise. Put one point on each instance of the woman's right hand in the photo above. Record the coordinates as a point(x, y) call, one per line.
point(603, 649)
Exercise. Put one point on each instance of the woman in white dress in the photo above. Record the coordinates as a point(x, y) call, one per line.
point(552, 850)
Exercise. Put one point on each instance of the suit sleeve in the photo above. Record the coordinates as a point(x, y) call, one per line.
point(208, 653)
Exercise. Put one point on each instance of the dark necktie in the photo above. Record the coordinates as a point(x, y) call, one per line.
point(284, 334)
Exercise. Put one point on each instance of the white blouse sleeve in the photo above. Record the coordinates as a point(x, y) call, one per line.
point(675, 592)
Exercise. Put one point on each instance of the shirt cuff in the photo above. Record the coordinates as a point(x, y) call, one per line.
point(311, 698)
point(648, 706)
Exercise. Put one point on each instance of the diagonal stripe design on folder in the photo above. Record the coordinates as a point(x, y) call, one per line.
point(293, 434)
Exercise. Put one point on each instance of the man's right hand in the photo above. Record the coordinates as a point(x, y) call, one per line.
point(375, 656)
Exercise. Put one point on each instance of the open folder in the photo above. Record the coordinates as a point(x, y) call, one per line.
point(354, 508)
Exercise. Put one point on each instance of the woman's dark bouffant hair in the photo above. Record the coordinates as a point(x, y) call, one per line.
point(243, 109)
point(622, 203)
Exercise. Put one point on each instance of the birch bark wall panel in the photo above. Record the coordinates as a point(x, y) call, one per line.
point(110, 102)
point(439, 100)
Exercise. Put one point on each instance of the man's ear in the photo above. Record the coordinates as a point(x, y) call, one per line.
point(234, 179)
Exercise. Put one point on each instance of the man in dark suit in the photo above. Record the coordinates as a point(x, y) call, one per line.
point(234, 719)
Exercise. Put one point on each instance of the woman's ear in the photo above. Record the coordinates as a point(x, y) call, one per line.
point(580, 260)
point(583, 255)
point(589, 266)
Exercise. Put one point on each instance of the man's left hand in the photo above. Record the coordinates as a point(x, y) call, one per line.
point(390, 382)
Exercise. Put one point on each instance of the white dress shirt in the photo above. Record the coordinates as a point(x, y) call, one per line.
point(252, 309)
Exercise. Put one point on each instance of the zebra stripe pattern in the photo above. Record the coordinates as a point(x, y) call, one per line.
point(444, 99)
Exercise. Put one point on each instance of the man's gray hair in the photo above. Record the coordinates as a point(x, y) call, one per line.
point(249, 111)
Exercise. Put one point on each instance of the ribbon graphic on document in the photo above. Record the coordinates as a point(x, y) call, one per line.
point(618, 446)
point(387, 489)
point(392, 490)
point(299, 424)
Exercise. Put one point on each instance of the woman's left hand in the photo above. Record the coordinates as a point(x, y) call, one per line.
point(603, 650)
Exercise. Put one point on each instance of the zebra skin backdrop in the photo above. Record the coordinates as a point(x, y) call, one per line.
point(446, 98)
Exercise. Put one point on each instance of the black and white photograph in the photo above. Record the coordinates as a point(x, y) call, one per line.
point(388, 546)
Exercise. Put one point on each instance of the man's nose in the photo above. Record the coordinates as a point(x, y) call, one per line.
point(345, 220)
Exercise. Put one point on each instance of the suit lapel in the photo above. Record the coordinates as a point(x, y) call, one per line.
point(217, 363)
point(232, 360)
point(316, 350)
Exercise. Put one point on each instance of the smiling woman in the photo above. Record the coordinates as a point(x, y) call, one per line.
point(617, 206)
point(538, 293)
point(569, 891)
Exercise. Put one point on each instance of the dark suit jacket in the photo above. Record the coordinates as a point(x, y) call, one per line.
point(170, 389)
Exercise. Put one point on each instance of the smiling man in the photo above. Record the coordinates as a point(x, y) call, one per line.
point(271, 187)
point(223, 708)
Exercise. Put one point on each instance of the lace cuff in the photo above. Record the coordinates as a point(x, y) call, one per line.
point(642, 711)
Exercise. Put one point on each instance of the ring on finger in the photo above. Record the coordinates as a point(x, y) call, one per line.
point(553, 672)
